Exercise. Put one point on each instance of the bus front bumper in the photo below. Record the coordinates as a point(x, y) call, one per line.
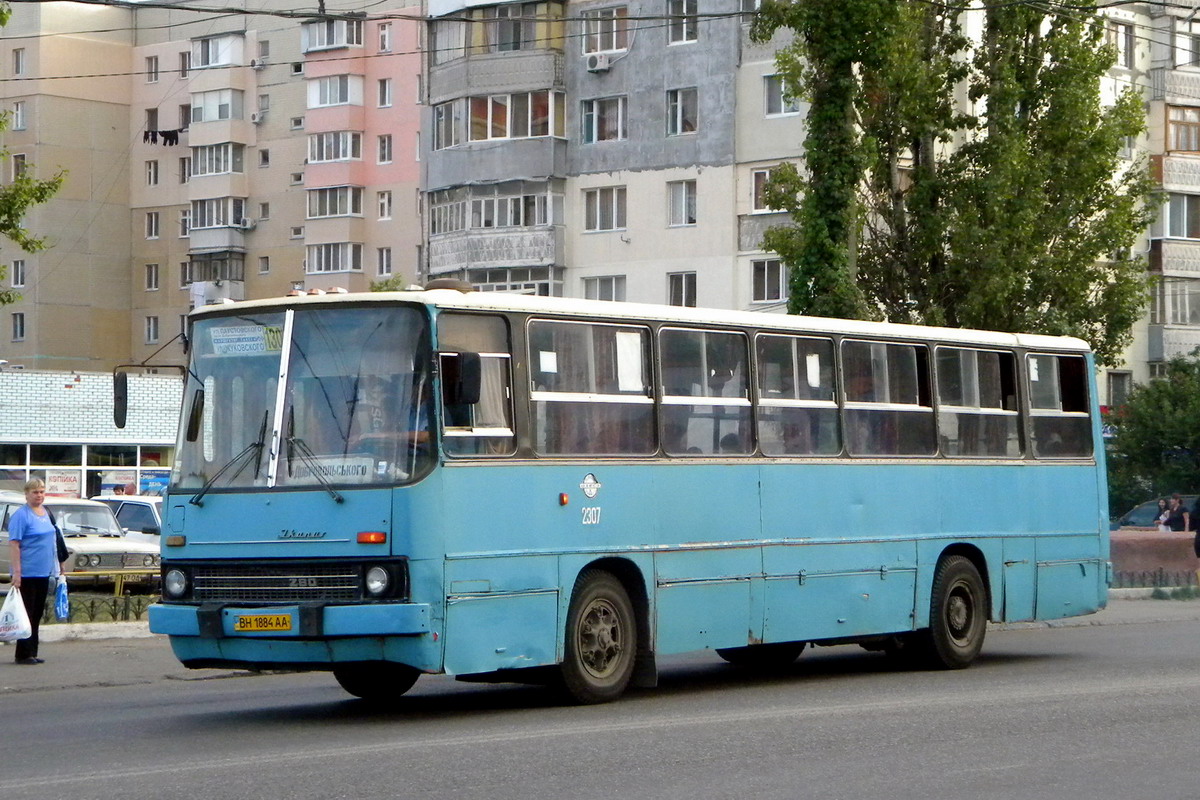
point(300, 621)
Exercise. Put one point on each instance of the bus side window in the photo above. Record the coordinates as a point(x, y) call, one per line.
point(977, 403)
point(484, 427)
point(888, 403)
point(706, 393)
point(796, 404)
point(1058, 404)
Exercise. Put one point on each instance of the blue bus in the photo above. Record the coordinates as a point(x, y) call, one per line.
point(535, 489)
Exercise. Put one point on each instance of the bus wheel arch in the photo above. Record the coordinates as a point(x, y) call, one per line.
point(608, 601)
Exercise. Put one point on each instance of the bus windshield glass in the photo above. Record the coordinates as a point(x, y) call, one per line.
point(354, 407)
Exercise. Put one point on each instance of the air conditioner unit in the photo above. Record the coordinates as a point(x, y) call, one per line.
point(258, 116)
point(597, 62)
point(258, 64)
point(245, 224)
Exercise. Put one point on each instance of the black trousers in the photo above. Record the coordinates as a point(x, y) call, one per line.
point(33, 595)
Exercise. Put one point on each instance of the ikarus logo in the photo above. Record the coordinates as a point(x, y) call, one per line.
point(590, 486)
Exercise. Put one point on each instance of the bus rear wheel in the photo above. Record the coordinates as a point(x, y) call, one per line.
point(763, 656)
point(601, 639)
point(381, 681)
point(957, 616)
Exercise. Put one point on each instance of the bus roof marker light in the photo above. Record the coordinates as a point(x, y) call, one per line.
point(372, 537)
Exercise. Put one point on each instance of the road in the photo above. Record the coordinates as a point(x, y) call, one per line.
point(1096, 711)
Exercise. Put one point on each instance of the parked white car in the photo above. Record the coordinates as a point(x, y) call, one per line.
point(97, 544)
point(139, 515)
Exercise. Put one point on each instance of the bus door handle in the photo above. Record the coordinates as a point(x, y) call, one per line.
point(802, 576)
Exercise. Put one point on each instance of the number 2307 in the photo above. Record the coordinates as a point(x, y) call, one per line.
point(591, 516)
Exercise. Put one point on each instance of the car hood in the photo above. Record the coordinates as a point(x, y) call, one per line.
point(92, 543)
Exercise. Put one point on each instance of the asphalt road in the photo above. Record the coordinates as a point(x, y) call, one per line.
point(1095, 711)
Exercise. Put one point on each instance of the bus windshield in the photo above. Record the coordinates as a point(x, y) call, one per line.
point(354, 406)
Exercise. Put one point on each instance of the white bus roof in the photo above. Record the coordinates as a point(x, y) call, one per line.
point(638, 312)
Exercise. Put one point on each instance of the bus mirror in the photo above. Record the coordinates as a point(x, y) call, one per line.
point(195, 416)
point(462, 379)
point(120, 397)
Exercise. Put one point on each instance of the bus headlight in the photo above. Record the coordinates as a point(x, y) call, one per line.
point(378, 581)
point(175, 584)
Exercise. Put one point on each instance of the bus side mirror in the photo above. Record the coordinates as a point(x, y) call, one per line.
point(462, 379)
point(120, 397)
point(195, 416)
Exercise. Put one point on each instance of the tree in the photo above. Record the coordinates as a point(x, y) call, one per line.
point(396, 283)
point(1019, 217)
point(1155, 445)
point(17, 197)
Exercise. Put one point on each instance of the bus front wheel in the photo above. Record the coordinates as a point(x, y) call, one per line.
point(601, 639)
point(957, 615)
point(376, 680)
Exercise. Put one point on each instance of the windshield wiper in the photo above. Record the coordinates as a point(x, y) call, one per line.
point(254, 448)
point(297, 446)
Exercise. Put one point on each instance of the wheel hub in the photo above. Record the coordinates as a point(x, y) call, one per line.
point(600, 639)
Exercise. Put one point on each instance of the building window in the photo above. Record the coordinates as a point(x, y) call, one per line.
point(341, 257)
point(151, 330)
point(18, 115)
point(336, 201)
point(384, 203)
point(297, 232)
point(493, 212)
point(681, 289)
point(681, 202)
point(296, 123)
point(777, 100)
point(219, 104)
point(152, 173)
point(185, 274)
point(500, 116)
point(328, 34)
point(606, 30)
point(1120, 35)
point(18, 327)
point(151, 224)
point(217, 159)
point(682, 21)
point(383, 261)
point(19, 165)
point(264, 265)
point(1183, 128)
point(1120, 384)
point(151, 69)
point(264, 211)
point(19, 63)
point(758, 180)
point(185, 169)
point(218, 212)
point(18, 273)
point(185, 63)
point(264, 49)
point(185, 223)
point(769, 278)
point(264, 158)
point(604, 209)
point(385, 148)
point(1175, 301)
point(604, 119)
point(449, 126)
point(385, 92)
point(151, 119)
point(610, 287)
point(385, 37)
point(335, 90)
point(296, 178)
point(681, 111)
point(185, 116)
point(152, 277)
point(214, 51)
point(1183, 216)
point(335, 146)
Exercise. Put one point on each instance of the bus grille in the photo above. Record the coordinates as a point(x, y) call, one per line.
point(290, 583)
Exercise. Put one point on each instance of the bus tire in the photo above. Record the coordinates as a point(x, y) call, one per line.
point(763, 656)
point(957, 615)
point(601, 639)
point(380, 681)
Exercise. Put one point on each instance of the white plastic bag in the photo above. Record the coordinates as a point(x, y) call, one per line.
point(14, 621)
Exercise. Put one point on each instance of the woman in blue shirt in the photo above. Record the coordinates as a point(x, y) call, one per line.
point(33, 550)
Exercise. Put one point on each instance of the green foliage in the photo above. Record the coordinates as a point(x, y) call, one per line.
point(395, 283)
point(1155, 446)
point(1019, 217)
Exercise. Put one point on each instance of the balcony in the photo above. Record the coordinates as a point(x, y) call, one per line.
point(1167, 341)
point(492, 73)
point(513, 247)
point(1177, 173)
point(1175, 86)
point(1175, 258)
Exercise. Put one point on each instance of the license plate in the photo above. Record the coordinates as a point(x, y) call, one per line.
point(255, 623)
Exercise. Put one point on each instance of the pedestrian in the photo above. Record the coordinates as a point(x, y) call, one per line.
point(1164, 513)
point(1177, 519)
point(33, 553)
